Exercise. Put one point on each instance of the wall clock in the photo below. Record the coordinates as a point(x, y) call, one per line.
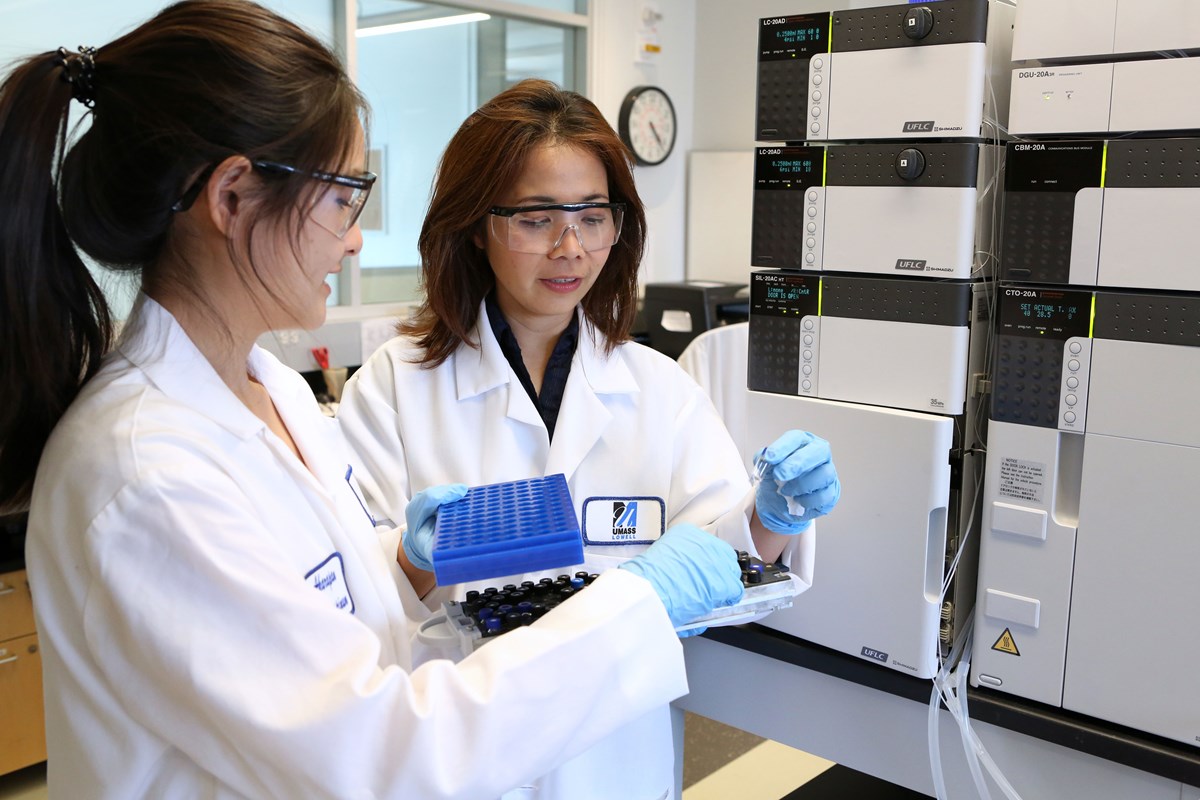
point(647, 124)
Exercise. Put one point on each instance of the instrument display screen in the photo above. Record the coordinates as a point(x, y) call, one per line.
point(1045, 313)
point(784, 294)
point(788, 168)
point(800, 36)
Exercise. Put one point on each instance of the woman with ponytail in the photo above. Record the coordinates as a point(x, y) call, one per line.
point(217, 617)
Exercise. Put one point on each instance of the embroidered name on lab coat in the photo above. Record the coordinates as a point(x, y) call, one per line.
point(623, 520)
point(329, 578)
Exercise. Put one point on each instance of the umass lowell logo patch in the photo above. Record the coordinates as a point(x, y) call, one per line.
point(623, 520)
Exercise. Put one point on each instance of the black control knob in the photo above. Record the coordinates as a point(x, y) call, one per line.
point(918, 22)
point(910, 164)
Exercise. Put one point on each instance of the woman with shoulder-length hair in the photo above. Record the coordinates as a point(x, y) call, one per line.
point(216, 616)
point(484, 159)
point(518, 364)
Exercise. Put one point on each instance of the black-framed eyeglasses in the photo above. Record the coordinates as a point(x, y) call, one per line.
point(540, 228)
point(188, 198)
point(336, 209)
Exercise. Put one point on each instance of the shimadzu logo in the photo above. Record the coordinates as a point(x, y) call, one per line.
point(624, 520)
point(919, 126)
point(875, 654)
point(910, 264)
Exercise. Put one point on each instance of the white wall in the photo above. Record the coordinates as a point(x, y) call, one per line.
point(615, 71)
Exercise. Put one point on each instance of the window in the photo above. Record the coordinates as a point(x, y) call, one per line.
point(424, 67)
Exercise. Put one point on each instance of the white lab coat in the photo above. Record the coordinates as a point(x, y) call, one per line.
point(717, 360)
point(630, 425)
point(217, 621)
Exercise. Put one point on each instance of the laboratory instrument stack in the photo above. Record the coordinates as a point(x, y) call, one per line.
point(1086, 584)
point(875, 197)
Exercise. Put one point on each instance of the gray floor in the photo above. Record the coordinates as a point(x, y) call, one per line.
point(720, 763)
point(709, 745)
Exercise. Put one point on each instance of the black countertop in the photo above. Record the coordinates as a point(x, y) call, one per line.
point(1156, 755)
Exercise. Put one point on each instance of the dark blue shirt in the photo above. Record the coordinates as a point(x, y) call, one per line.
point(557, 371)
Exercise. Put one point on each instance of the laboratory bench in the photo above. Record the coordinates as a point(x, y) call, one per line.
point(876, 720)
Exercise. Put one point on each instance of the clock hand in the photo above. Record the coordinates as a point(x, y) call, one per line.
point(654, 130)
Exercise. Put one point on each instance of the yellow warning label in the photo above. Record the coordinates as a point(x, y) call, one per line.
point(1005, 644)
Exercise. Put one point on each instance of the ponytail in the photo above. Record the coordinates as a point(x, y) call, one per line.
point(54, 321)
point(199, 82)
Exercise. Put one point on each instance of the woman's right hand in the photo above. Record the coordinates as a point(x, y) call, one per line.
point(692, 571)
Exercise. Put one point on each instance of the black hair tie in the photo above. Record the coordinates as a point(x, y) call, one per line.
point(79, 70)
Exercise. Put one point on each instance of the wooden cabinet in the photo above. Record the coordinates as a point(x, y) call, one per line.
point(22, 720)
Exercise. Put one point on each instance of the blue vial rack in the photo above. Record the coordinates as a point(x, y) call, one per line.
point(506, 529)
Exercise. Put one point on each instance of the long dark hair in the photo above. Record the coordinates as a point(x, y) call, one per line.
point(485, 156)
point(200, 82)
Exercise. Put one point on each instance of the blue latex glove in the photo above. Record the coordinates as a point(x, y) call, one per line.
point(421, 513)
point(692, 572)
point(798, 466)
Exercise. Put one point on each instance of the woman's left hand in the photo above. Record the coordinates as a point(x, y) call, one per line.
point(799, 484)
point(421, 514)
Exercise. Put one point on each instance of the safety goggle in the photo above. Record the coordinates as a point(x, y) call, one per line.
point(336, 208)
point(540, 228)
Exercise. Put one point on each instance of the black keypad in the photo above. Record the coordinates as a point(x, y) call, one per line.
point(782, 101)
point(777, 229)
point(1037, 237)
point(774, 356)
point(1028, 381)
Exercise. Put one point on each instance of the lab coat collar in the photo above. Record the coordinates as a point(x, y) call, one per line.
point(155, 342)
point(585, 414)
point(605, 373)
point(479, 370)
point(158, 345)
